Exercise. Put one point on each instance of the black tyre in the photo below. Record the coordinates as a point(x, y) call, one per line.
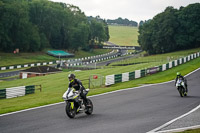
point(69, 111)
point(89, 108)
point(185, 92)
point(181, 92)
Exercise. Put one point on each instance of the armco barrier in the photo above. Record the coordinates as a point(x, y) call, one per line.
point(125, 77)
point(30, 89)
point(131, 75)
point(118, 78)
point(112, 79)
point(16, 91)
point(2, 93)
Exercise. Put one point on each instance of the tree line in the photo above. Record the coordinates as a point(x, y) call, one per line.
point(33, 25)
point(171, 30)
point(120, 21)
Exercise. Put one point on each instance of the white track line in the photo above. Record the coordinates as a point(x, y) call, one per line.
point(170, 122)
point(93, 96)
point(180, 129)
point(31, 109)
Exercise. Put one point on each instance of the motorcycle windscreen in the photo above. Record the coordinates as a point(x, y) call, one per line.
point(65, 95)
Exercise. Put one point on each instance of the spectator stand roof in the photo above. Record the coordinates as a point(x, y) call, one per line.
point(42, 69)
point(60, 54)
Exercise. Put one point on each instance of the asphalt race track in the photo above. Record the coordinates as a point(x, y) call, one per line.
point(136, 110)
point(9, 74)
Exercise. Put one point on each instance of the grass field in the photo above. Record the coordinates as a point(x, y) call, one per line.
point(53, 86)
point(124, 35)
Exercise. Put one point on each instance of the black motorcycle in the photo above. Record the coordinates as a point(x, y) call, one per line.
point(74, 103)
point(180, 85)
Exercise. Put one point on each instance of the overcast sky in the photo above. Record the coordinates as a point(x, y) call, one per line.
point(135, 10)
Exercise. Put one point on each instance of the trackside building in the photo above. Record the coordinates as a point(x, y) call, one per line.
point(38, 71)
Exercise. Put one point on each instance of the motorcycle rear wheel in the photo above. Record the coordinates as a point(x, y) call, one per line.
point(69, 111)
point(89, 108)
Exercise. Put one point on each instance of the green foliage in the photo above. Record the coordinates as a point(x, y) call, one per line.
point(171, 30)
point(99, 31)
point(124, 22)
point(191, 131)
point(16, 30)
point(188, 34)
point(37, 24)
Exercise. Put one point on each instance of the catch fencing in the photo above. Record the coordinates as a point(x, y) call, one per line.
point(95, 80)
point(117, 78)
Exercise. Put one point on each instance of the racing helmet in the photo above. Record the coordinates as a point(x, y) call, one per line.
point(71, 77)
point(178, 74)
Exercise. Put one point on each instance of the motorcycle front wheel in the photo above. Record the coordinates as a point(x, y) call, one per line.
point(181, 91)
point(89, 108)
point(185, 92)
point(70, 109)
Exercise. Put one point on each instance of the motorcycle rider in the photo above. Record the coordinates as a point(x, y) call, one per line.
point(78, 86)
point(179, 76)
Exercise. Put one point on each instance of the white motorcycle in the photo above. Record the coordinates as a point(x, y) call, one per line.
point(74, 103)
point(180, 85)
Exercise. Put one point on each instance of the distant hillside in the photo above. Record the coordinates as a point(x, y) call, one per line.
point(123, 35)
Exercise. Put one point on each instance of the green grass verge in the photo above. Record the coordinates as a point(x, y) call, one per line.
point(124, 35)
point(16, 76)
point(191, 131)
point(53, 86)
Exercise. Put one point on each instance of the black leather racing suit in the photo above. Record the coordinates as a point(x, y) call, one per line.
point(78, 86)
